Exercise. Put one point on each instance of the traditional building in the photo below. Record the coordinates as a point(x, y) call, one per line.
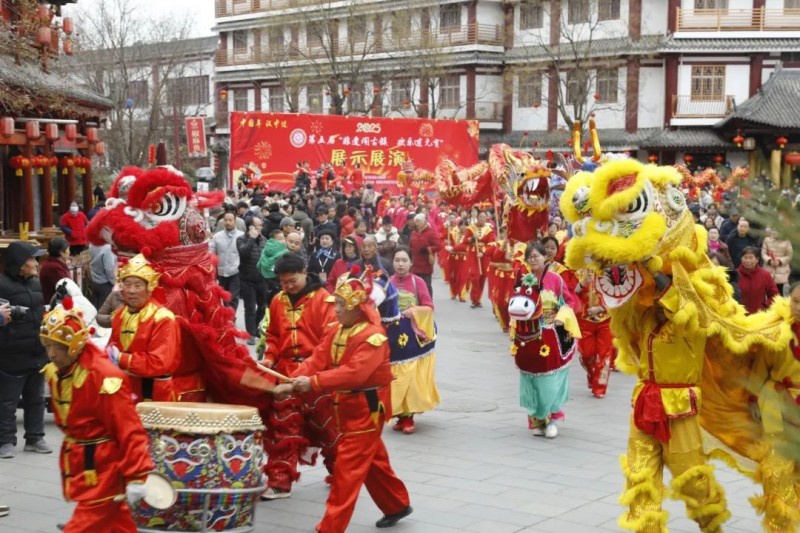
point(48, 126)
point(657, 75)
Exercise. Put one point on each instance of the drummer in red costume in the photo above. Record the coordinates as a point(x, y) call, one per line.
point(104, 456)
point(352, 362)
point(501, 281)
point(145, 339)
point(595, 347)
point(457, 268)
point(477, 238)
point(298, 317)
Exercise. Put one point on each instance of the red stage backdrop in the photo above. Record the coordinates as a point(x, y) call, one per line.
point(269, 145)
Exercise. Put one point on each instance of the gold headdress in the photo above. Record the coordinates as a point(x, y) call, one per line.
point(354, 289)
point(66, 326)
point(139, 267)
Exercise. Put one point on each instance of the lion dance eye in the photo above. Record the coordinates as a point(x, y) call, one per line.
point(168, 206)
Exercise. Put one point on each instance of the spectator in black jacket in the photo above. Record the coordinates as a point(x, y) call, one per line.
point(273, 220)
point(22, 353)
point(739, 240)
point(252, 285)
point(728, 226)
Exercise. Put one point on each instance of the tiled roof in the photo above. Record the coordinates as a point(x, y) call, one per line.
point(612, 139)
point(30, 78)
point(146, 52)
point(595, 48)
point(728, 44)
point(776, 104)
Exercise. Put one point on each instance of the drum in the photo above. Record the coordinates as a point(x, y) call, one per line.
point(212, 454)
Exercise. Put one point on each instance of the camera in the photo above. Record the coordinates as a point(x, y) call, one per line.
point(18, 312)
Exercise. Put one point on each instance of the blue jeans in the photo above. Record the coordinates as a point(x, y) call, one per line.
point(31, 387)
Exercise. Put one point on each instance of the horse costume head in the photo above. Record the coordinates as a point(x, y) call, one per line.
point(525, 306)
point(151, 209)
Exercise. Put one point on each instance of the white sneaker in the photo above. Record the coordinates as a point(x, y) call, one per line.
point(550, 431)
point(275, 494)
point(538, 431)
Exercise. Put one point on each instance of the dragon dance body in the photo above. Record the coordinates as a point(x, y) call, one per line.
point(678, 329)
point(155, 213)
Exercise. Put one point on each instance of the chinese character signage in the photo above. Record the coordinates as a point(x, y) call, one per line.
point(269, 146)
point(196, 136)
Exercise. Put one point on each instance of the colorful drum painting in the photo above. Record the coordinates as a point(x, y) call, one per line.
point(212, 453)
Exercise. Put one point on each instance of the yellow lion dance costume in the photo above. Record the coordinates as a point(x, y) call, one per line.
point(678, 328)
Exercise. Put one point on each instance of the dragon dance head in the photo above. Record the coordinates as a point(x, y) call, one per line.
point(627, 218)
point(524, 179)
point(151, 209)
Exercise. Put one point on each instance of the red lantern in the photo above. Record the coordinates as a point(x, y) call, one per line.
point(597, 96)
point(406, 104)
point(782, 141)
point(223, 95)
point(91, 135)
point(51, 132)
point(792, 159)
point(537, 104)
point(68, 49)
point(40, 162)
point(100, 148)
point(71, 132)
point(66, 164)
point(43, 36)
point(688, 158)
point(32, 130)
point(653, 158)
point(7, 126)
point(719, 159)
point(67, 25)
point(346, 91)
point(738, 140)
point(151, 154)
point(376, 90)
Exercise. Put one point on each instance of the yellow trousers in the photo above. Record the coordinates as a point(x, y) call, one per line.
point(692, 480)
point(780, 478)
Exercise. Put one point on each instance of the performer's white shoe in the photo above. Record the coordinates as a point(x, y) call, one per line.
point(550, 431)
point(275, 494)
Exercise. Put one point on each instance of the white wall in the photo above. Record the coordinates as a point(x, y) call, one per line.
point(651, 97)
point(654, 17)
point(529, 118)
point(490, 13)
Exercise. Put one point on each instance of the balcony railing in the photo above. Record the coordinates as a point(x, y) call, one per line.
point(227, 8)
point(686, 106)
point(429, 43)
point(736, 19)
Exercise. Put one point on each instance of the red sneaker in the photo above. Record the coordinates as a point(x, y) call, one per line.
point(408, 427)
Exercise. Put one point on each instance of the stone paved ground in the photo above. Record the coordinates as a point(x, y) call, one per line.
point(472, 465)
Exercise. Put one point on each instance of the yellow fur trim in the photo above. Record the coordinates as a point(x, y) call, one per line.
point(605, 206)
point(649, 521)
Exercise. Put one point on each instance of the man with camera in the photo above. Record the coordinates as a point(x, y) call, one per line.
point(23, 354)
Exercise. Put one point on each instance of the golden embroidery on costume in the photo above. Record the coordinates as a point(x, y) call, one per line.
point(110, 385)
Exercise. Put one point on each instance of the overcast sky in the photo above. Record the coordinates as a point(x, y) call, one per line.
point(201, 10)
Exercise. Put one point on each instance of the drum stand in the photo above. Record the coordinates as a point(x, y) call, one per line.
point(207, 494)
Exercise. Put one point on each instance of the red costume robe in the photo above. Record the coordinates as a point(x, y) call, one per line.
point(353, 364)
point(595, 346)
point(297, 421)
point(477, 240)
point(149, 342)
point(457, 269)
point(501, 284)
point(105, 446)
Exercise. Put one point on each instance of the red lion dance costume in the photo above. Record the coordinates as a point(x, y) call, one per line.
point(155, 212)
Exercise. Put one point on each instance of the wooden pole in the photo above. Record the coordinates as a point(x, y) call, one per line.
point(27, 191)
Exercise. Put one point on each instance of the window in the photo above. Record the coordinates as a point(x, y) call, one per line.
point(608, 10)
point(357, 29)
point(401, 25)
point(578, 11)
point(450, 17)
point(189, 90)
point(708, 82)
point(276, 41)
point(240, 99)
point(240, 41)
point(530, 89)
point(607, 85)
point(450, 91)
point(276, 99)
point(576, 87)
point(401, 94)
point(315, 35)
point(314, 98)
point(530, 17)
point(139, 92)
point(791, 4)
point(711, 4)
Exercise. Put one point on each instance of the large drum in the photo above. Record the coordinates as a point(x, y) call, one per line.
point(212, 453)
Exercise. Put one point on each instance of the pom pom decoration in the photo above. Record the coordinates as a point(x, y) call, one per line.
point(67, 303)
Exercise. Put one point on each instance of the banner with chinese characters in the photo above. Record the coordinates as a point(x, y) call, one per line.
point(267, 147)
point(196, 136)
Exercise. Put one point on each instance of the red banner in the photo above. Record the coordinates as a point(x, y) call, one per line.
point(267, 147)
point(196, 136)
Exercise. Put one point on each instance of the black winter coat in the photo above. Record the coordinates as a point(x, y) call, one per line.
point(21, 351)
point(249, 253)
